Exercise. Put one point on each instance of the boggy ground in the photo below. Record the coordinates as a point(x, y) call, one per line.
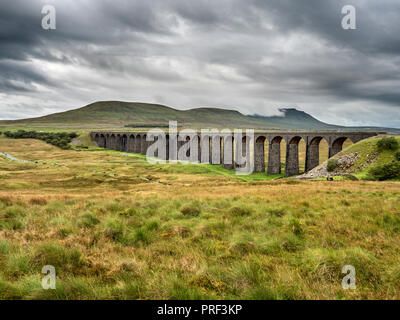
point(115, 227)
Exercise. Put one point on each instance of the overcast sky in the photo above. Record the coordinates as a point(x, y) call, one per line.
point(255, 56)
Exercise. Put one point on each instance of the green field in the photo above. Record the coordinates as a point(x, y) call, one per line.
point(115, 227)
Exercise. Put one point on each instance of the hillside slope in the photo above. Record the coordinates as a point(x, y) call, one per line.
point(120, 114)
point(117, 115)
point(358, 160)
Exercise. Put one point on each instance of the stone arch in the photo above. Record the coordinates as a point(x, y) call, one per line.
point(193, 141)
point(107, 141)
point(187, 139)
point(221, 149)
point(313, 152)
point(259, 154)
point(102, 141)
point(138, 143)
point(131, 143)
point(227, 150)
point(181, 143)
point(315, 141)
point(339, 141)
point(143, 144)
point(117, 142)
point(261, 139)
point(186, 147)
point(124, 143)
point(244, 159)
point(294, 140)
point(274, 155)
point(215, 149)
point(276, 140)
point(292, 156)
point(196, 143)
point(337, 145)
point(210, 148)
point(113, 141)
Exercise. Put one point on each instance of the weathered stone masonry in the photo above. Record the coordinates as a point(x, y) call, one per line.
point(220, 154)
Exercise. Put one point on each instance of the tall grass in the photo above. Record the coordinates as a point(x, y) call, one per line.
point(200, 235)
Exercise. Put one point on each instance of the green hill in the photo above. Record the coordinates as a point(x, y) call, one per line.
point(364, 160)
point(117, 115)
point(368, 156)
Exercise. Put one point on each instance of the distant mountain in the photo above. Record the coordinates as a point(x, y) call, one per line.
point(118, 115)
point(293, 118)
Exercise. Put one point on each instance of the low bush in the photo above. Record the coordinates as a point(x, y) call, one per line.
point(10, 218)
point(38, 201)
point(241, 211)
point(388, 143)
point(130, 212)
point(58, 139)
point(63, 259)
point(64, 232)
point(141, 235)
point(114, 231)
point(333, 164)
point(385, 171)
point(191, 210)
point(88, 220)
point(243, 245)
point(278, 212)
point(397, 155)
point(296, 227)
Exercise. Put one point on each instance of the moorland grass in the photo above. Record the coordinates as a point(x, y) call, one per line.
point(185, 234)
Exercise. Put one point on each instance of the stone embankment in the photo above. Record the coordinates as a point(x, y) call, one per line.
point(344, 168)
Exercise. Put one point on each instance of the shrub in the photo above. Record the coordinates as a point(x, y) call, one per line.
point(292, 243)
point(18, 264)
point(140, 235)
point(9, 291)
point(114, 231)
point(333, 164)
point(152, 225)
point(64, 232)
point(14, 212)
point(11, 218)
point(5, 247)
point(385, 171)
point(241, 211)
point(64, 259)
point(128, 212)
point(278, 212)
point(88, 220)
point(7, 201)
point(38, 201)
point(296, 227)
point(14, 224)
point(244, 245)
point(191, 210)
point(388, 143)
point(58, 139)
point(397, 155)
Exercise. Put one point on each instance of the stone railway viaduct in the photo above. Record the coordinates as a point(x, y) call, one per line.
point(216, 142)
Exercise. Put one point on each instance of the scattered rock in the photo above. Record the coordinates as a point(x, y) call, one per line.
point(345, 164)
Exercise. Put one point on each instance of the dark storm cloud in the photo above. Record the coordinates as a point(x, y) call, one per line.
point(17, 77)
point(254, 56)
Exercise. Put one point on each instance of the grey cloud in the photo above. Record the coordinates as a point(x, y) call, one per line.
point(254, 56)
point(17, 77)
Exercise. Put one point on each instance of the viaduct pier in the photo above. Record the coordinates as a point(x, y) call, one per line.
point(221, 147)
